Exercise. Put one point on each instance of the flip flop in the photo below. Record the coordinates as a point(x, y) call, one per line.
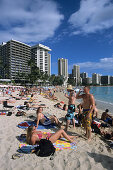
point(17, 155)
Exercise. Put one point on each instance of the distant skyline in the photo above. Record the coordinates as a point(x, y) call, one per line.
point(78, 30)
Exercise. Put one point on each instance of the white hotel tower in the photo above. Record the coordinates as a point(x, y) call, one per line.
point(42, 58)
point(63, 67)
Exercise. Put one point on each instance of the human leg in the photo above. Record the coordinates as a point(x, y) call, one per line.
point(88, 126)
point(55, 120)
point(60, 133)
point(74, 122)
point(67, 124)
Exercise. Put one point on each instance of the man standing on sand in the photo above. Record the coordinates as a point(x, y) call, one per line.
point(88, 107)
point(71, 106)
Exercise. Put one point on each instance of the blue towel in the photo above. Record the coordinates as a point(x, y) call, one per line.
point(40, 126)
point(27, 149)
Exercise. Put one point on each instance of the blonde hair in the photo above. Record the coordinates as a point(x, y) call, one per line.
point(29, 134)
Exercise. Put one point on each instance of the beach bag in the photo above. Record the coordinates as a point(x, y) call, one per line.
point(9, 114)
point(95, 128)
point(45, 148)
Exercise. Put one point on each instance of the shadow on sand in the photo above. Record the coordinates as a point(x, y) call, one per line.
point(106, 161)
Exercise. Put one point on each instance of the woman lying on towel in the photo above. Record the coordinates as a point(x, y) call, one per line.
point(44, 120)
point(34, 136)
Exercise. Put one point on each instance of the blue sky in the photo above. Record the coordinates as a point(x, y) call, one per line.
point(79, 30)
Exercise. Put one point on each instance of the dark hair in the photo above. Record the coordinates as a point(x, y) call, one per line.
point(38, 109)
point(31, 95)
point(64, 106)
point(25, 102)
point(88, 87)
point(107, 110)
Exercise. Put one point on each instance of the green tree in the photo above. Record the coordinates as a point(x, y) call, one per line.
point(56, 80)
point(71, 81)
point(34, 74)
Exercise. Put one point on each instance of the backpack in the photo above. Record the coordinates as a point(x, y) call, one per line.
point(45, 148)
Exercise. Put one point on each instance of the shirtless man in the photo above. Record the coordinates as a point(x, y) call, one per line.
point(71, 108)
point(88, 106)
point(107, 118)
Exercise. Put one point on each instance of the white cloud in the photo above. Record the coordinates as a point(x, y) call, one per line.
point(93, 16)
point(28, 20)
point(104, 64)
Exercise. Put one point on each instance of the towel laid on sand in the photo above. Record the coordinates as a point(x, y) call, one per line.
point(24, 125)
point(3, 112)
point(59, 145)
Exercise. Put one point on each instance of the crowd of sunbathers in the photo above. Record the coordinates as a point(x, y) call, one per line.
point(86, 113)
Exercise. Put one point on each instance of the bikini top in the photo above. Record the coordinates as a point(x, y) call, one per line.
point(39, 135)
point(47, 137)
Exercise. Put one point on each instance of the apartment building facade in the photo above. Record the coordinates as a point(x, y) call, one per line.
point(96, 79)
point(83, 75)
point(105, 80)
point(39, 53)
point(76, 74)
point(63, 67)
point(14, 57)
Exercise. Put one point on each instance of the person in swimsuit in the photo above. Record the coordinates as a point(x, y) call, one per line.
point(71, 107)
point(44, 120)
point(106, 117)
point(88, 107)
point(34, 136)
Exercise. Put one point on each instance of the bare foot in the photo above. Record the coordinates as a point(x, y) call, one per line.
point(89, 140)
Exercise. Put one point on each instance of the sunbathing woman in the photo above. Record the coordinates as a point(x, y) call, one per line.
point(44, 120)
point(34, 136)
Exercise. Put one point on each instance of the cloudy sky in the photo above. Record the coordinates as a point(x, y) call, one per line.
point(79, 30)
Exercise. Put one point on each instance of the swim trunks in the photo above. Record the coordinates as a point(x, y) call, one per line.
point(86, 121)
point(108, 120)
point(70, 112)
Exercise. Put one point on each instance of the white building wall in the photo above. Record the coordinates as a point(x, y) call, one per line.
point(43, 58)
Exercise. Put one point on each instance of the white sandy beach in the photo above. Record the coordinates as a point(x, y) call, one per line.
point(93, 155)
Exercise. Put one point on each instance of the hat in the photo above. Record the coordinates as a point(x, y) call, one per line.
point(69, 87)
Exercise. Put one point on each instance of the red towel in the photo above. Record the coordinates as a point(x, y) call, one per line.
point(24, 124)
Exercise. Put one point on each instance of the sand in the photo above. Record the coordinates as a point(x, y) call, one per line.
point(95, 154)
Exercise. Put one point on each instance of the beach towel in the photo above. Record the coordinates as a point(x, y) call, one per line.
point(24, 125)
point(4, 113)
point(59, 145)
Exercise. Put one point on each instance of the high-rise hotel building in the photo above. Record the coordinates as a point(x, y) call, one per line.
point(42, 58)
point(63, 67)
point(96, 78)
point(83, 75)
point(76, 74)
point(14, 57)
